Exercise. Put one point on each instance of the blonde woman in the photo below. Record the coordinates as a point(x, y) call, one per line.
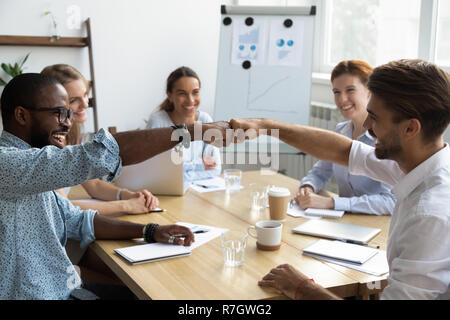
point(115, 200)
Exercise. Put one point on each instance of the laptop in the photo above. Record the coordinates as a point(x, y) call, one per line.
point(161, 175)
point(337, 230)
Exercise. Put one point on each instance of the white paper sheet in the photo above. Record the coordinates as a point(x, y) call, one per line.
point(248, 42)
point(295, 211)
point(285, 44)
point(150, 252)
point(209, 185)
point(377, 265)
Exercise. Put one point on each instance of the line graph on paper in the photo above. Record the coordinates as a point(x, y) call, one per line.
point(269, 95)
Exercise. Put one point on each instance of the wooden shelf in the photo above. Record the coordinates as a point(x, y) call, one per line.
point(77, 42)
point(43, 41)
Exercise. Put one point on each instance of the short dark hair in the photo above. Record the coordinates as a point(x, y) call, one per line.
point(23, 90)
point(414, 89)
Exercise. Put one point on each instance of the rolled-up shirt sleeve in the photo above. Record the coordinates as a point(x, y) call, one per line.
point(79, 223)
point(22, 171)
point(363, 161)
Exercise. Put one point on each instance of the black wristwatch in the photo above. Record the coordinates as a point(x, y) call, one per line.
point(183, 134)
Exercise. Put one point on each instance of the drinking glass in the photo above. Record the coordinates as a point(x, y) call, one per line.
point(233, 247)
point(232, 180)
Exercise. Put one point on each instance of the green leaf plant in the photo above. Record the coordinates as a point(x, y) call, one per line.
point(13, 69)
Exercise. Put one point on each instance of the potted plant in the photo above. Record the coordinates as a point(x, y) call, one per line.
point(13, 70)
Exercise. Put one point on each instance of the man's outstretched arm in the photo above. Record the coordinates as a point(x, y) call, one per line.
point(319, 143)
point(139, 145)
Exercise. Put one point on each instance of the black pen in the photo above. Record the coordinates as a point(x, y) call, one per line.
point(201, 231)
point(375, 246)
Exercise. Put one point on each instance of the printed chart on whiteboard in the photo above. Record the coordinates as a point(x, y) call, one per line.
point(280, 46)
point(265, 63)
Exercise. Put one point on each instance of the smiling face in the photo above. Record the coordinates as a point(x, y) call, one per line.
point(351, 97)
point(78, 99)
point(185, 97)
point(46, 129)
point(387, 133)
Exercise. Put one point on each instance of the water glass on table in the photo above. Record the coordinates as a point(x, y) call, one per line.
point(258, 195)
point(233, 247)
point(232, 179)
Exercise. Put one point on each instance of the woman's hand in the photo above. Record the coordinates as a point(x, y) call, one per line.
point(209, 162)
point(306, 198)
point(302, 192)
point(140, 202)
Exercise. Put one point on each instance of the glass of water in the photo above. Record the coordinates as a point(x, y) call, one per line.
point(232, 179)
point(258, 195)
point(233, 247)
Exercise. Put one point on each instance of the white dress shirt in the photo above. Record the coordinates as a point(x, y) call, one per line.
point(418, 249)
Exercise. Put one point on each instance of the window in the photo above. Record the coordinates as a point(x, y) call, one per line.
point(443, 34)
point(376, 31)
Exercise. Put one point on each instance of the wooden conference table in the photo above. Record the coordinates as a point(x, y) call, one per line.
point(203, 276)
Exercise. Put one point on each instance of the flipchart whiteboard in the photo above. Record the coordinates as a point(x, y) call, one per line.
point(265, 63)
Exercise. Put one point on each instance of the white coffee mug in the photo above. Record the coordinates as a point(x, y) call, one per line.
point(268, 234)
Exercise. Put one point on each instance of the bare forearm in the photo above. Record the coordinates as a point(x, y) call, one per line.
point(140, 145)
point(108, 208)
point(101, 190)
point(319, 143)
point(108, 228)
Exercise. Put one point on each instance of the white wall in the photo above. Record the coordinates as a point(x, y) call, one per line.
point(137, 43)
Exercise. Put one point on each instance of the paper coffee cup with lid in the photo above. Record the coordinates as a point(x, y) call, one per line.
point(278, 202)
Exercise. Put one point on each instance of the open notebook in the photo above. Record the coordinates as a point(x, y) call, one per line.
point(151, 252)
point(352, 256)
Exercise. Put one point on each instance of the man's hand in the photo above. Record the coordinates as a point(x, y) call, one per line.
point(216, 133)
point(246, 129)
point(286, 279)
point(184, 236)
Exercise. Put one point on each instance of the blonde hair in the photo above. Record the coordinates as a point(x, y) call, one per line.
point(65, 73)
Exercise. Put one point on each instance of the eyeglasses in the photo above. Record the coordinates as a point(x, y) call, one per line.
point(64, 114)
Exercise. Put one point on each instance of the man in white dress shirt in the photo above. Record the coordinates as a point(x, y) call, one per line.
point(409, 110)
